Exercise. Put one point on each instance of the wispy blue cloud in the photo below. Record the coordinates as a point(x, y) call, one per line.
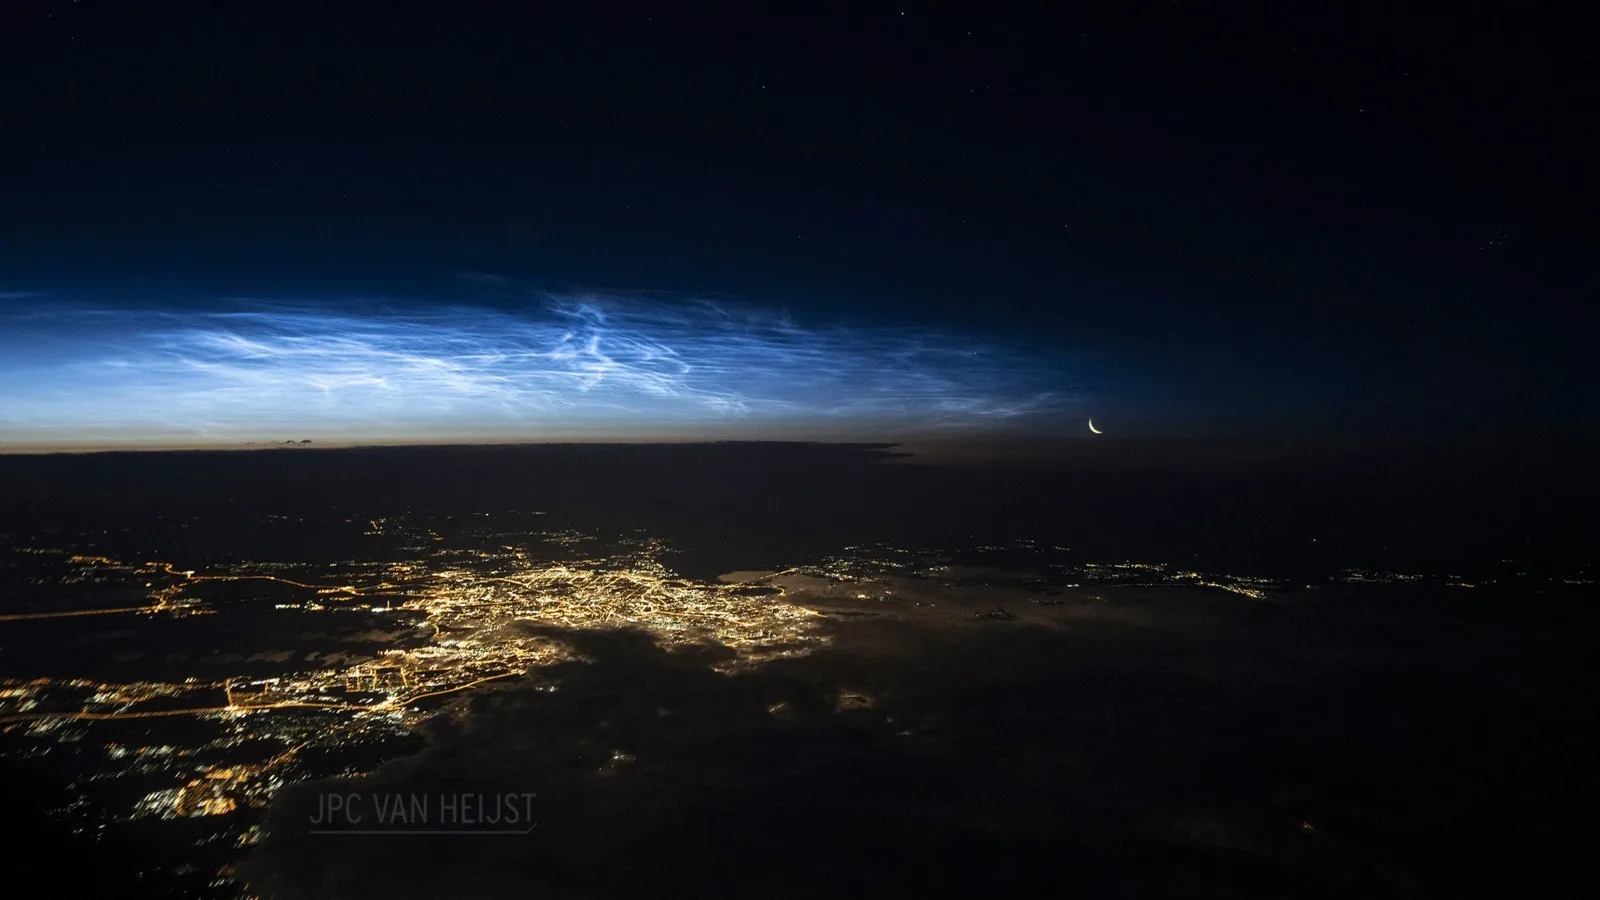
point(572, 365)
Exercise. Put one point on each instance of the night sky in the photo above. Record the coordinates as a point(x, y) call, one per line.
point(233, 223)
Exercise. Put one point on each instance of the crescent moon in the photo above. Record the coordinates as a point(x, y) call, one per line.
point(1094, 429)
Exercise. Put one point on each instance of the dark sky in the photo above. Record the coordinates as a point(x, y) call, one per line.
point(1221, 215)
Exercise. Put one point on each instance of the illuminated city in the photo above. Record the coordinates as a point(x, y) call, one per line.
point(457, 620)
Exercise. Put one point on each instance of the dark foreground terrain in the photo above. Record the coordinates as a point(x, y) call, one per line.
point(790, 670)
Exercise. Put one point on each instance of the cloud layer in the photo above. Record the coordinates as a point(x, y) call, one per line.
point(569, 366)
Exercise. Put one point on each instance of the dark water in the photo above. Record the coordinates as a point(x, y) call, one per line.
point(1483, 510)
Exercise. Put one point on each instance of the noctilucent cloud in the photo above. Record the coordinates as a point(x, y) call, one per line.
point(565, 367)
